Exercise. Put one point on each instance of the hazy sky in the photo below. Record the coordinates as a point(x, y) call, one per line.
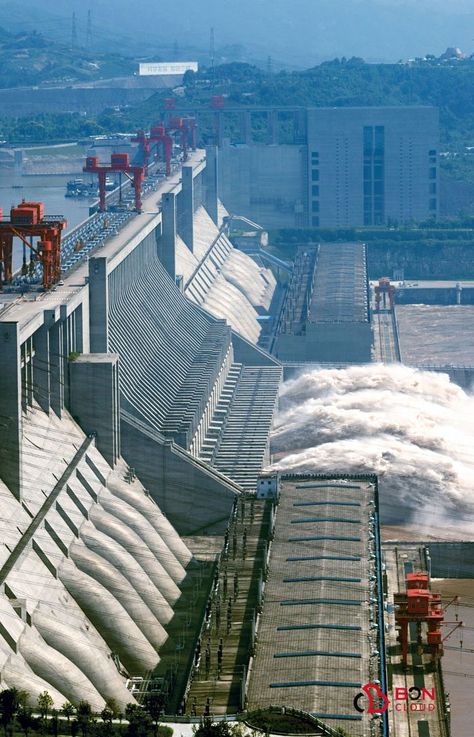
point(297, 31)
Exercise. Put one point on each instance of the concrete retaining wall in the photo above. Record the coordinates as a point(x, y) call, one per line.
point(17, 102)
point(448, 559)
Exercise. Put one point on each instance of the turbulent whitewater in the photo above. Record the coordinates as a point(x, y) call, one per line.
point(413, 428)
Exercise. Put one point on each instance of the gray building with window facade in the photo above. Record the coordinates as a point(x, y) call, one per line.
point(341, 167)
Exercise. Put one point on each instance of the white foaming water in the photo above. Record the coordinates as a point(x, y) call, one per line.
point(413, 428)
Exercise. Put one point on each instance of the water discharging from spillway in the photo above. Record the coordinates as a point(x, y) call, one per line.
point(414, 429)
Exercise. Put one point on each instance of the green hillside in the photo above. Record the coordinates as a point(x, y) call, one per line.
point(28, 59)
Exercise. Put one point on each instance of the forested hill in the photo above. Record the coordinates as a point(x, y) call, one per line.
point(29, 58)
point(449, 86)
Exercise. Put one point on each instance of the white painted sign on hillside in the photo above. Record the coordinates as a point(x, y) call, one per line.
point(163, 68)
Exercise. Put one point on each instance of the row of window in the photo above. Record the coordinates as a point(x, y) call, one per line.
point(374, 174)
point(373, 178)
point(374, 146)
point(315, 188)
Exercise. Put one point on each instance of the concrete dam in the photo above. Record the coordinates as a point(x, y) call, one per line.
point(135, 408)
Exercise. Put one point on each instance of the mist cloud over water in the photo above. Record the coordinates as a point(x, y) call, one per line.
point(413, 428)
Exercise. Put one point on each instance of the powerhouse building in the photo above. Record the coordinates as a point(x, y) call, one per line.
point(332, 167)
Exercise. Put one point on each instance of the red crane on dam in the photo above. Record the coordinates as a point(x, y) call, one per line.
point(158, 135)
point(28, 222)
point(161, 135)
point(420, 606)
point(186, 127)
point(383, 290)
point(144, 146)
point(118, 163)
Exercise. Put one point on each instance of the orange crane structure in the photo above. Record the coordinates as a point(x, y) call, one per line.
point(162, 135)
point(186, 127)
point(420, 606)
point(383, 290)
point(118, 163)
point(145, 146)
point(28, 222)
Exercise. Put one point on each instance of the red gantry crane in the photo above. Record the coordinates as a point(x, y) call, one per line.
point(160, 134)
point(420, 606)
point(118, 163)
point(383, 290)
point(186, 127)
point(144, 143)
point(28, 222)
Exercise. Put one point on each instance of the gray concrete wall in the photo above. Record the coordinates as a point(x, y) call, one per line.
point(11, 408)
point(99, 304)
point(167, 239)
point(434, 296)
point(452, 560)
point(191, 496)
point(463, 376)
point(17, 102)
point(211, 184)
point(448, 559)
point(265, 183)
point(249, 354)
point(95, 400)
point(331, 343)
point(427, 258)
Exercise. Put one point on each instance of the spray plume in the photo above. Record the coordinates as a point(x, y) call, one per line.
point(413, 428)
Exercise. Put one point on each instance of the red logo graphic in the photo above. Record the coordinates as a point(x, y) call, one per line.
point(375, 694)
point(411, 699)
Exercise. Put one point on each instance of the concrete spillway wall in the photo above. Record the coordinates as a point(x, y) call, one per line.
point(224, 281)
point(92, 568)
point(93, 562)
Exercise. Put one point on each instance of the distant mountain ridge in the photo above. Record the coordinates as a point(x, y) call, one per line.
point(303, 31)
point(28, 58)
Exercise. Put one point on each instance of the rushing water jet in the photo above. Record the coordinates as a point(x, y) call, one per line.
point(413, 428)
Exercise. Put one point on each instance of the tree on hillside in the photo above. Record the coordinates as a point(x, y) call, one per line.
point(25, 719)
point(107, 717)
point(54, 721)
point(139, 721)
point(45, 702)
point(153, 703)
point(208, 728)
point(117, 712)
point(84, 717)
point(114, 707)
point(68, 710)
point(9, 703)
